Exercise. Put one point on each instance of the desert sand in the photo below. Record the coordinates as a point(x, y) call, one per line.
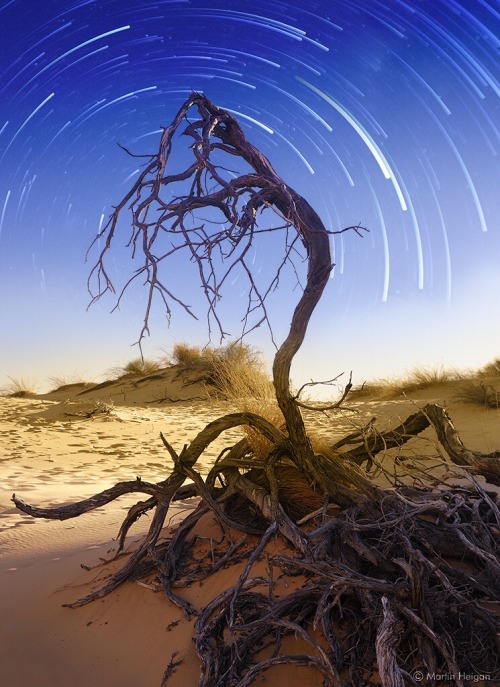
point(70, 444)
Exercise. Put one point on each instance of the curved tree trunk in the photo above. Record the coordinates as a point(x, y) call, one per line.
point(318, 272)
point(314, 237)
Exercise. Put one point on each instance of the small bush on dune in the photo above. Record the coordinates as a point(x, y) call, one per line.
point(239, 375)
point(491, 369)
point(188, 356)
point(415, 380)
point(371, 390)
point(62, 382)
point(141, 366)
point(238, 372)
point(232, 372)
point(137, 366)
point(19, 387)
point(235, 373)
point(422, 378)
point(476, 391)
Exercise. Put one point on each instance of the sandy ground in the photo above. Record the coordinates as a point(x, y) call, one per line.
point(62, 448)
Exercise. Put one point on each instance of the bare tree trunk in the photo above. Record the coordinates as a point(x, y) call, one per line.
point(314, 237)
point(318, 272)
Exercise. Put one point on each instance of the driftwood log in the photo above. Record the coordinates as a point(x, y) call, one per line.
point(398, 580)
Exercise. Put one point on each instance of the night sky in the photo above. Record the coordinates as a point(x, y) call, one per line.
point(382, 112)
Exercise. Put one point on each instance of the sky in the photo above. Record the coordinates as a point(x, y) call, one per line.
point(379, 112)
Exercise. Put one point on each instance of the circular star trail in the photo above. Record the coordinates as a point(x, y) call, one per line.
point(382, 112)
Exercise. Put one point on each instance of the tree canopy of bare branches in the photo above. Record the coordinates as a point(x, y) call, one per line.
point(164, 224)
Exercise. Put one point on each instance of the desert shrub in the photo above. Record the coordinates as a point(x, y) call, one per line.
point(136, 367)
point(375, 389)
point(195, 364)
point(141, 366)
point(237, 371)
point(17, 387)
point(188, 356)
point(415, 380)
point(62, 382)
point(422, 377)
point(491, 369)
point(233, 371)
point(476, 391)
point(239, 375)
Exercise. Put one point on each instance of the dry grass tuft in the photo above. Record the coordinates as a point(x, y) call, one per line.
point(231, 372)
point(234, 373)
point(477, 391)
point(473, 389)
point(188, 356)
point(491, 369)
point(423, 377)
point(19, 387)
point(239, 375)
point(415, 380)
point(63, 382)
point(137, 367)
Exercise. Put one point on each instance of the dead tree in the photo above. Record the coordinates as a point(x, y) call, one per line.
point(383, 592)
point(221, 244)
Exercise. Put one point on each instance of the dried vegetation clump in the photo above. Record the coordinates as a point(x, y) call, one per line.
point(68, 382)
point(491, 369)
point(471, 387)
point(479, 392)
point(138, 367)
point(233, 371)
point(18, 387)
point(416, 380)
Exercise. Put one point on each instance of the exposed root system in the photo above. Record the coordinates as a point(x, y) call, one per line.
point(395, 582)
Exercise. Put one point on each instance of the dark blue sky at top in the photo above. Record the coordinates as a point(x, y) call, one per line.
point(382, 112)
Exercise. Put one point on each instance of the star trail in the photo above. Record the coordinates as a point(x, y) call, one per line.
point(382, 112)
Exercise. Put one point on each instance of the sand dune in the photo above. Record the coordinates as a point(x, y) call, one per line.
point(72, 443)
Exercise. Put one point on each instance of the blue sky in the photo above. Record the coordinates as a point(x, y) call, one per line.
point(382, 112)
